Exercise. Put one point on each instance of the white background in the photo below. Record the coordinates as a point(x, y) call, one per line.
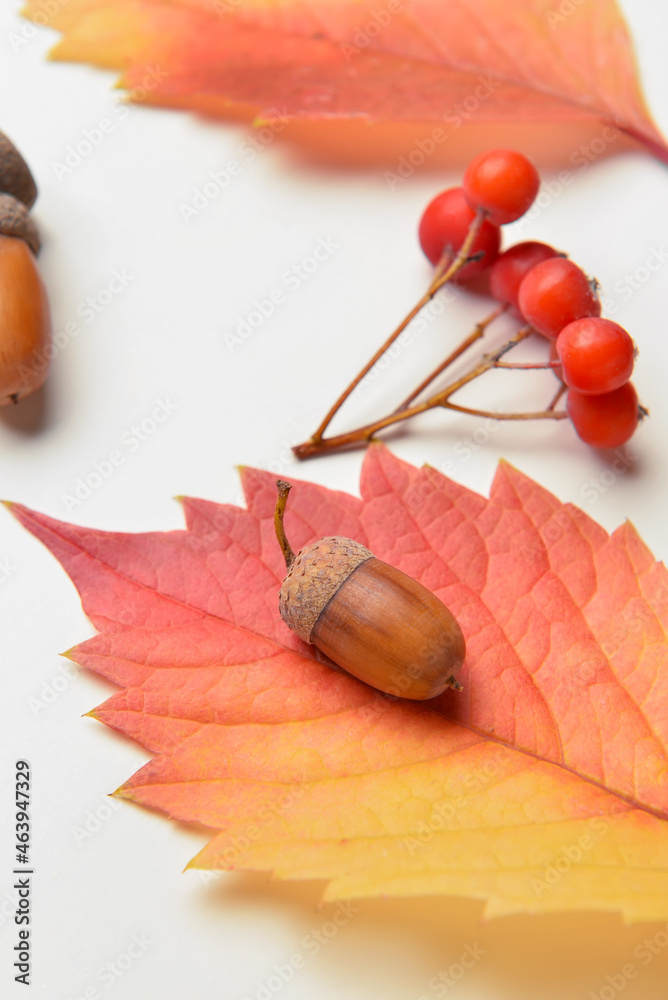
point(166, 336)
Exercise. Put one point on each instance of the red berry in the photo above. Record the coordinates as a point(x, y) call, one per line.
point(444, 225)
point(503, 182)
point(605, 421)
point(509, 270)
point(554, 293)
point(596, 355)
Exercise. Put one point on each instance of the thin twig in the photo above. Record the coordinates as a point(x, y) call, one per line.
point(477, 333)
point(538, 415)
point(446, 270)
point(557, 396)
point(528, 366)
point(364, 434)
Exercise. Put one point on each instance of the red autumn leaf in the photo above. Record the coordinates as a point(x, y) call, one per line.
point(543, 786)
point(400, 60)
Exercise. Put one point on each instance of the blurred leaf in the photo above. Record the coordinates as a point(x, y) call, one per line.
point(443, 61)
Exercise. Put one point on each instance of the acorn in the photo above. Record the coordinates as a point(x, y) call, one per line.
point(25, 323)
point(377, 623)
point(15, 221)
point(15, 176)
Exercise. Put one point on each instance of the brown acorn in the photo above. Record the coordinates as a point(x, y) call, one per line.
point(25, 323)
point(379, 624)
point(15, 221)
point(15, 176)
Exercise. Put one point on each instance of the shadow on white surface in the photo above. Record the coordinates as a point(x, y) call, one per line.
point(31, 415)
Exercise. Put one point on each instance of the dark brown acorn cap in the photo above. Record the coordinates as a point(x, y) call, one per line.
point(15, 176)
point(15, 221)
point(315, 576)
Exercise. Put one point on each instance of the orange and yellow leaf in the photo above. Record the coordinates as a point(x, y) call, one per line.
point(443, 61)
point(542, 786)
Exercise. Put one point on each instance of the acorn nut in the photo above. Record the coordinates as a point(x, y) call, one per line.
point(15, 176)
point(25, 323)
point(15, 221)
point(379, 624)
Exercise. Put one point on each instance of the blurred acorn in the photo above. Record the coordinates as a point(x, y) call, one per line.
point(25, 322)
point(15, 176)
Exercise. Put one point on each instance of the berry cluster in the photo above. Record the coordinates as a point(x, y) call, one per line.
point(593, 357)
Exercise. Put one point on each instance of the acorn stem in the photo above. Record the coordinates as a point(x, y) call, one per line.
point(279, 513)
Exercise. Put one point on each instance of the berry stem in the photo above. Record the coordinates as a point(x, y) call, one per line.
point(486, 362)
point(279, 513)
point(363, 435)
point(529, 365)
point(557, 396)
point(476, 334)
point(446, 269)
point(549, 414)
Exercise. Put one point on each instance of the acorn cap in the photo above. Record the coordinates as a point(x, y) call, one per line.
point(15, 176)
point(15, 221)
point(315, 576)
